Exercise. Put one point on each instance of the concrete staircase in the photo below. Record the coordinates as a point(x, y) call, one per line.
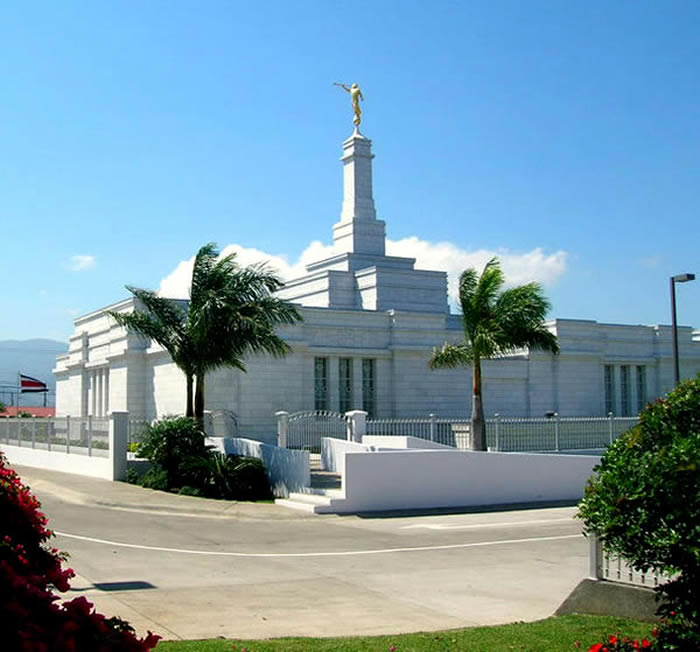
point(324, 496)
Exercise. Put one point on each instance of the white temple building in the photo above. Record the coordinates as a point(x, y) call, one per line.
point(370, 324)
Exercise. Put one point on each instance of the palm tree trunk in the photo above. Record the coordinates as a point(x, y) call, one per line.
point(477, 423)
point(199, 399)
point(189, 383)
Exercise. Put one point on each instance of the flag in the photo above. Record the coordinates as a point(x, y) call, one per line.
point(29, 384)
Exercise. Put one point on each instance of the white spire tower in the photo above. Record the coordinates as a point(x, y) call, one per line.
point(359, 231)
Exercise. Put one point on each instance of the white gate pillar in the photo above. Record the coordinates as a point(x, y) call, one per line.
point(118, 437)
point(282, 427)
point(357, 425)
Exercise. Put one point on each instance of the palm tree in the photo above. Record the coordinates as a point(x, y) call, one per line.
point(495, 321)
point(231, 312)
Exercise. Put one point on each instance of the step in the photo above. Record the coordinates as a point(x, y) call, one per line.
point(309, 497)
point(319, 491)
point(293, 504)
point(315, 501)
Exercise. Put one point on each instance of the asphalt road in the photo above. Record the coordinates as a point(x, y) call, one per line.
point(263, 571)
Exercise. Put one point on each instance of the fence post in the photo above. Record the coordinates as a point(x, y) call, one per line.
point(118, 437)
point(594, 557)
point(68, 433)
point(89, 435)
point(610, 425)
point(50, 431)
point(432, 418)
point(556, 431)
point(33, 432)
point(357, 425)
point(282, 428)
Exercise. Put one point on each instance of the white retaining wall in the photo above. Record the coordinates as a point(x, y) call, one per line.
point(391, 441)
point(333, 453)
point(111, 467)
point(333, 450)
point(287, 470)
point(411, 479)
point(95, 467)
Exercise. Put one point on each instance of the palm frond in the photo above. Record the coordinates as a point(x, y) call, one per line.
point(204, 262)
point(520, 313)
point(487, 289)
point(167, 311)
point(451, 355)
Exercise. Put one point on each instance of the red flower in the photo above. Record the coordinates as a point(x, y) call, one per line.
point(596, 648)
point(646, 642)
point(612, 639)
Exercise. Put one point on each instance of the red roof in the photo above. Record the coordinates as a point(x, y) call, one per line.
point(12, 410)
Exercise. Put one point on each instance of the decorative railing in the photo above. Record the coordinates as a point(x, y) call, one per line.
point(443, 430)
point(607, 566)
point(79, 435)
point(555, 433)
point(305, 430)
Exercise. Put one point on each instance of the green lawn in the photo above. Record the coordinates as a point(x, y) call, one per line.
point(557, 633)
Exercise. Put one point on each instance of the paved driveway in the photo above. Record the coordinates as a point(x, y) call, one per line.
point(188, 568)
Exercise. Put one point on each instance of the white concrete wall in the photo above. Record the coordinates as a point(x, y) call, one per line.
point(333, 452)
point(412, 479)
point(383, 442)
point(94, 467)
point(287, 470)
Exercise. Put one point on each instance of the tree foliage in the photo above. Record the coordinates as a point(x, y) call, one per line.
point(495, 322)
point(31, 617)
point(232, 312)
point(182, 461)
point(644, 503)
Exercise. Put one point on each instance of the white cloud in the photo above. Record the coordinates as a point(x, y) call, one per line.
point(651, 262)
point(177, 284)
point(79, 262)
point(532, 265)
point(518, 267)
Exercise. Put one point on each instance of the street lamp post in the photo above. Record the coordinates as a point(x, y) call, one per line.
point(679, 278)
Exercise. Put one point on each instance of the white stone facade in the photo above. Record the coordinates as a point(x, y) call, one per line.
point(360, 306)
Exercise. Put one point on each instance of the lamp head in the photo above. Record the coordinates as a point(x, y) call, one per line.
point(682, 278)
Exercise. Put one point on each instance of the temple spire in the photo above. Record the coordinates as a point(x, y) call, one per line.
point(359, 231)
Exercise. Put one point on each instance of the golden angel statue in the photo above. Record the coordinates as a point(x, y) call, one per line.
point(355, 96)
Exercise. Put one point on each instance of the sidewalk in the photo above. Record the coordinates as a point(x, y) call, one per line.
point(82, 490)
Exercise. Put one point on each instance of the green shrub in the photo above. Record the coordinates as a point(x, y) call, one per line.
point(644, 505)
point(232, 477)
point(182, 462)
point(33, 617)
point(251, 481)
point(155, 478)
point(189, 491)
point(132, 476)
point(170, 444)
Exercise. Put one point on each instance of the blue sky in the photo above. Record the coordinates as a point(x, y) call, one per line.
point(563, 136)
